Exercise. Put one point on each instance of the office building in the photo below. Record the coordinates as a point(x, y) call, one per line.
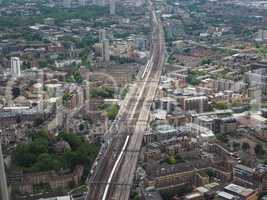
point(99, 2)
point(261, 36)
point(82, 3)
point(112, 7)
point(67, 3)
point(245, 176)
point(105, 51)
point(233, 191)
point(257, 81)
point(15, 67)
point(198, 104)
point(102, 35)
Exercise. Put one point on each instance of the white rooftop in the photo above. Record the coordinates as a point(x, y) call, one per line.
point(225, 195)
point(237, 189)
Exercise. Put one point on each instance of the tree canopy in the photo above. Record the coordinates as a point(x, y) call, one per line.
point(40, 155)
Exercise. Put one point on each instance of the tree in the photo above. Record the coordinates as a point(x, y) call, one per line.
point(259, 151)
point(210, 173)
point(74, 140)
point(66, 97)
point(104, 92)
point(236, 145)
point(221, 105)
point(82, 126)
point(112, 111)
point(39, 146)
point(171, 160)
point(42, 133)
point(137, 197)
point(38, 156)
point(46, 162)
point(15, 92)
point(222, 137)
point(245, 146)
point(87, 153)
point(77, 77)
point(23, 157)
point(192, 78)
point(206, 61)
point(70, 159)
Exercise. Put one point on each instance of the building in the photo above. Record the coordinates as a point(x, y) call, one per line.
point(49, 21)
point(199, 132)
point(67, 3)
point(99, 2)
point(15, 67)
point(165, 103)
point(25, 183)
point(105, 51)
point(216, 123)
point(261, 36)
point(58, 198)
point(233, 191)
point(112, 7)
point(255, 178)
point(245, 176)
point(98, 49)
point(221, 151)
point(223, 84)
point(198, 104)
point(160, 177)
point(102, 35)
point(257, 81)
point(194, 173)
point(82, 3)
point(164, 132)
point(227, 124)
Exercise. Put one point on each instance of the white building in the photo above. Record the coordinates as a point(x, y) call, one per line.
point(67, 3)
point(82, 3)
point(15, 66)
point(200, 132)
point(105, 51)
point(102, 35)
point(261, 36)
point(100, 2)
point(112, 7)
point(58, 198)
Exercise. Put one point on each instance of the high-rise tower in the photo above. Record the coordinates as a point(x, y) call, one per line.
point(67, 3)
point(102, 35)
point(105, 50)
point(15, 66)
point(112, 7)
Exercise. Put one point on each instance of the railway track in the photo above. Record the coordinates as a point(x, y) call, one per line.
point(113, 175)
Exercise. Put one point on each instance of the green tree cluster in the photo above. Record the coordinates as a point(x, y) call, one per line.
point(245, 146)
point(171, 160)
point(221, 105)
point(39, 154)
point(259, 151)
point(206, 61)
point(192, 78)
point(112, 111)
point(104, 92)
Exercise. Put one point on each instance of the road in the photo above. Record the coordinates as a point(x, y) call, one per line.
point(113, 171)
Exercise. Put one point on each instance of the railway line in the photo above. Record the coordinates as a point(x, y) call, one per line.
point(117, 159)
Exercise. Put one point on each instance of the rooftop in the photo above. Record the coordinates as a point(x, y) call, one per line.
point(239, 190)
point(225, 195)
